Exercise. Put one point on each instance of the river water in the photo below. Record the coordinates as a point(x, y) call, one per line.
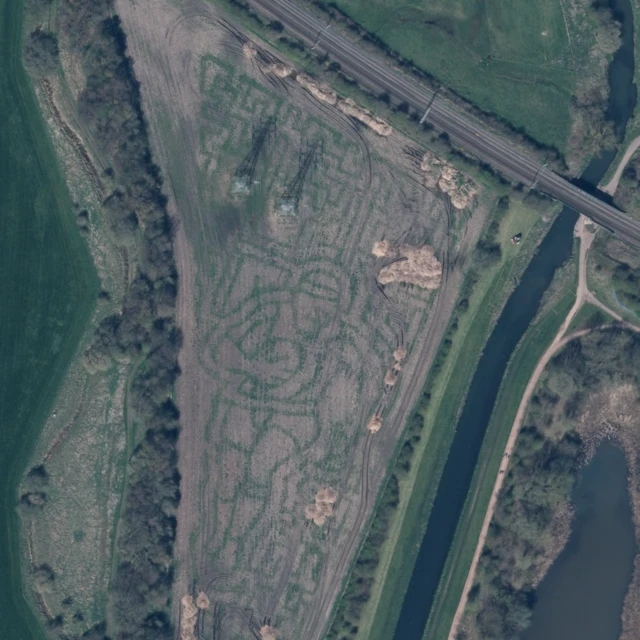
point(624, 93)
point(583, 593)
point(518, 313)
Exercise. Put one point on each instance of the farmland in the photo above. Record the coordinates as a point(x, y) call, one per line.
point(586, 395)
point(47, 287)
point(289, 341)
point(527, 62)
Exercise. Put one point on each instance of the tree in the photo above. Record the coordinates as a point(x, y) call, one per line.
point(41, 52)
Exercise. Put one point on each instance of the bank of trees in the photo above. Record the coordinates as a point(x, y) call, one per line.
point(144, 333)
point(41, 52)
point(361, 580)
point(626, 281)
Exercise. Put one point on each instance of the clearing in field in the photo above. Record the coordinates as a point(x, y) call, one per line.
point(292, 342)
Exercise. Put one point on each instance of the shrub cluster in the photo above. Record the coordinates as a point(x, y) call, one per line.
point(626, 281)
point(35, 496)
point(358, 590)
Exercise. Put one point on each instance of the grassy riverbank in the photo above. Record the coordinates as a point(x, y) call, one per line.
point(422, 455)
point(47, 290)
point(521, 366)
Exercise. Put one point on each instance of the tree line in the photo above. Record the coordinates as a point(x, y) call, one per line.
point(143, 333)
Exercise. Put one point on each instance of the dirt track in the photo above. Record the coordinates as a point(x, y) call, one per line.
point(612, 185)
point(583, 295)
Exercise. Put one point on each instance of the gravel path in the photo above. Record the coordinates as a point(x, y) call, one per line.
point(583, 295)
point(612, 185)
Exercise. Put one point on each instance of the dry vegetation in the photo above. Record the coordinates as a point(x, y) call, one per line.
point(288, 334)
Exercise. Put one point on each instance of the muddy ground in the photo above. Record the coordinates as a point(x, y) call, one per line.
point(278, 200)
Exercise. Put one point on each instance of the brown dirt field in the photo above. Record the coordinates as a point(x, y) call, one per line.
point(287, 333)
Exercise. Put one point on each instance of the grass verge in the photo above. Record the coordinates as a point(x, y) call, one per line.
point(589, 317)
point(514, 60)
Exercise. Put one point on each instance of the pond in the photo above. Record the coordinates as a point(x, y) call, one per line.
point(583, 593)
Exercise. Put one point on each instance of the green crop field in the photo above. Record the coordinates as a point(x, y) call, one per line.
point(518, 60)
point(46, 289)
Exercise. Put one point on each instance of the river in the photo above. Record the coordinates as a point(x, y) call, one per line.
point(583, 593)
point(47, 290)
point(518, 313)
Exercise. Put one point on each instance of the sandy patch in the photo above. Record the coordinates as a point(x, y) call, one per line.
point(321, 92)
point(390, 378)
point(324, 93)
point(189, 611)
point(413, 265)
point(400, 354)
point(350, 108)
point(323, 506)
point(267, 633)
point(375, 424)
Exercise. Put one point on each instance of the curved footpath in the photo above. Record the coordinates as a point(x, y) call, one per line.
point(612, 185)
point(583, 295)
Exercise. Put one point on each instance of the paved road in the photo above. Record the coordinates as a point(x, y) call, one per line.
point(465, 131)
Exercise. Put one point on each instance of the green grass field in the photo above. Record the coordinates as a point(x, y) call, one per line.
point(447, 394)
point(47, 287)
point(589, 316)
point(517, 60)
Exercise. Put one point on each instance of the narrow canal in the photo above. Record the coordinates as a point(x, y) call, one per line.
point(519, 312)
